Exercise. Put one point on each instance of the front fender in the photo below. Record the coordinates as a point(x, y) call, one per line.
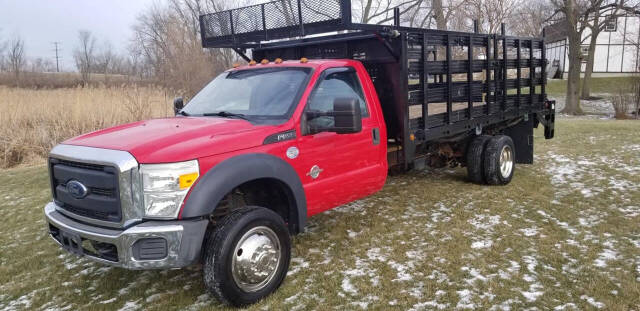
point(230, 173)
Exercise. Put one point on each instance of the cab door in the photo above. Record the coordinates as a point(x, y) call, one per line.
point(339, 168)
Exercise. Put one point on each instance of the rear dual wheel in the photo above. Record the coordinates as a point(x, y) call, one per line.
point(491, 160)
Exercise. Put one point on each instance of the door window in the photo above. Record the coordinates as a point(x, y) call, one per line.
point(335, 85)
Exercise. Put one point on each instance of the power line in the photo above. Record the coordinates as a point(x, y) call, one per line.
point(55, 43)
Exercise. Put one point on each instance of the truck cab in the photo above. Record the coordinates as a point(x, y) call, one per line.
point(292, 137)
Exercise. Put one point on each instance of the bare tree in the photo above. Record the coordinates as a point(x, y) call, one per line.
point(16, 57)
point(168, 46)
point(381, 11)
point(577, 16)
point(439, 14)
point(40, 64)
point(104, 60)
point(490, 14)
point(2, 48)
point(573, 10)
point(84, 54)
point(529, 18)
point(596, 24)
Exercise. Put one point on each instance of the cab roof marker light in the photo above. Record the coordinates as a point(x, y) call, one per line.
point(236, 65)
point(264, 61)
point(278, 61)
point(304, 60)
point(252, 62)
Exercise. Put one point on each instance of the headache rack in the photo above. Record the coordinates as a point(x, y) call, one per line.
point(433, 85)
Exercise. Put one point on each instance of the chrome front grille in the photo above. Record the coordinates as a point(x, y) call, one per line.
point(112, 180)
point(101, 202)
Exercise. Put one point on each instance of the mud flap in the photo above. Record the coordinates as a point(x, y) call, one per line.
point(522, 136)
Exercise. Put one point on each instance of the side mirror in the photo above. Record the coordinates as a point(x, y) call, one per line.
point(347, 114)
point(345, 118)
point(178, 104)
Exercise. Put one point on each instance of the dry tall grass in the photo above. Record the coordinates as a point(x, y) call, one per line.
point(33, 121)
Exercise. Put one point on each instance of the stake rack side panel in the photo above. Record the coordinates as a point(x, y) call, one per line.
point(247, 26)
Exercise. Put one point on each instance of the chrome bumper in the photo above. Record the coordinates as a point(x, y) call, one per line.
point(182, 247)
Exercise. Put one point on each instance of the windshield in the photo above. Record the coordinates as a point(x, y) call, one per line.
point(267, 93)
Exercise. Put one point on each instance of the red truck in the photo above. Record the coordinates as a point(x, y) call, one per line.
point(266, 145)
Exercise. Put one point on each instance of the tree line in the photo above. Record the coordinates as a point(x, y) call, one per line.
point(165, 46)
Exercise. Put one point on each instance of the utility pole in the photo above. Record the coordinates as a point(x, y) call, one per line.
point(57, 55)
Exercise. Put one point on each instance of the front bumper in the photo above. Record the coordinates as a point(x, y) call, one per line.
point(148, 245)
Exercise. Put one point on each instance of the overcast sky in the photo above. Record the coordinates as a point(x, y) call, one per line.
point(41, 22)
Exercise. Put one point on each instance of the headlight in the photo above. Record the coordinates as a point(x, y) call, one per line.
point(165, 186)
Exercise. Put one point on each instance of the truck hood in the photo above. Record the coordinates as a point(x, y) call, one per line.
point(177, 139)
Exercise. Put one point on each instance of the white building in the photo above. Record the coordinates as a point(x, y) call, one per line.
point(616, 48)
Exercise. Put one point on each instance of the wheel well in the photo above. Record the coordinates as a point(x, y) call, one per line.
point(265, 192)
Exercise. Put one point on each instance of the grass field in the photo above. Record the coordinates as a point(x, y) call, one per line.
point(33, 121)
point(610, 85)
point(564, 234)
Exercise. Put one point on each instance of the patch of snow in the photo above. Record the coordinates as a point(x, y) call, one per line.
point(403, 274)
point(347, 287)
point(130, 306)
point(292, 298)
point(465, 300)
point(429, 305)
point(484, 222)
point(300, 264)
point(570, 306)
point(352, 234)
point(592, 301)
point(605, 255)
point(504, 306)
point(482, 244)
point(108, 300)
point(532, 294)
point(374, 254)
point(529, 232)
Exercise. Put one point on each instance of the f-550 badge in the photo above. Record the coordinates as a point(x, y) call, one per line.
point(315, 172)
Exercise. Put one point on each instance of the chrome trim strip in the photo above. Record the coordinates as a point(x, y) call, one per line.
point(130, 189)
point(123, 160)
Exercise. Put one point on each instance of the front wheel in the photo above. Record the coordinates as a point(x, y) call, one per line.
point(246, 256)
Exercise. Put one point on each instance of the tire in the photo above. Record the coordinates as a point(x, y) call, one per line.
point(474, 158)
point(223, 271)
point(499, 160)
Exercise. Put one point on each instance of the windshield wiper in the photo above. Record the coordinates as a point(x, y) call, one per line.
point(225, 114)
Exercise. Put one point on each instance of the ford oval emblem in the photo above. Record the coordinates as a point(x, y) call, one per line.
point(76, 189)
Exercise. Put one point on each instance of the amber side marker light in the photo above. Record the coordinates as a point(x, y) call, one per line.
point(252, 63)
point(412, 137)
point(264, 61)
point(185, 181)
point(278, 61)
point(304, 60)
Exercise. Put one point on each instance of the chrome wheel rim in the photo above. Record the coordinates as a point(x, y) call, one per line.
point(506, 161)
point(256, 258)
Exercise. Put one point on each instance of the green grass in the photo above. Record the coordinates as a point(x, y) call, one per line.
point(598, 85)
point(564, 233)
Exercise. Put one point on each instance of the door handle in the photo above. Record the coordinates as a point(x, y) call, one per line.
point(375, 133)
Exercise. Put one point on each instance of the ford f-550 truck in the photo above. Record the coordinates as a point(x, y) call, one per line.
point(318, 122)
